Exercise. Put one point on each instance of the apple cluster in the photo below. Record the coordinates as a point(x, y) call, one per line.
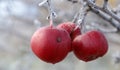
point(52, 44)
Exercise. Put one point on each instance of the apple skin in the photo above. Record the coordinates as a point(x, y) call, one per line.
point(90, 46)
point(76, 32)
point(71, 28)
point(51, 44)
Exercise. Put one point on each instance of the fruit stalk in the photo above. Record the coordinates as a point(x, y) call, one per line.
point(80, 17)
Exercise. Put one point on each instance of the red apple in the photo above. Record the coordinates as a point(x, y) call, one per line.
point(68, 26)
point(71, 28)
point(75, 32)
point(51, 44)
point(90, 46)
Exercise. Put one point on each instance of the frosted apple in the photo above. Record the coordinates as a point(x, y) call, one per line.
point(90, 46)
point(71, 28)
point(51, 44)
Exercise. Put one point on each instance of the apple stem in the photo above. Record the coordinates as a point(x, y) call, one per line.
point(52, 13)
point(80, 16)
point(50, 17)
point(51, 23)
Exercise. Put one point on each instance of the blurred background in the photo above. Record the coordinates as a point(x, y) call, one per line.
point(19, 19)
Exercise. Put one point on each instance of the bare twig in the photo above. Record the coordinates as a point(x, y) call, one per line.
point(107, 11)
point(50, 9)
point(105, 4)
point(42, 3)
point(80, 16)
point(104, 12)
point(106, 17)
point(73, 1)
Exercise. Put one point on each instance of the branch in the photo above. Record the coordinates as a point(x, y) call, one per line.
point(106, 17)
point(105, 4)
point(105, 13)
point(105, 10)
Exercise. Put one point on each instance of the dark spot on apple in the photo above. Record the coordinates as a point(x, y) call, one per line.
point(59, 39)
point(92, 57)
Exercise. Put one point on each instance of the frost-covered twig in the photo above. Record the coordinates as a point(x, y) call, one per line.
point(105, 4)
point(107, 18)
point(50, 9)
point(104, 12)
point(80, 16)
